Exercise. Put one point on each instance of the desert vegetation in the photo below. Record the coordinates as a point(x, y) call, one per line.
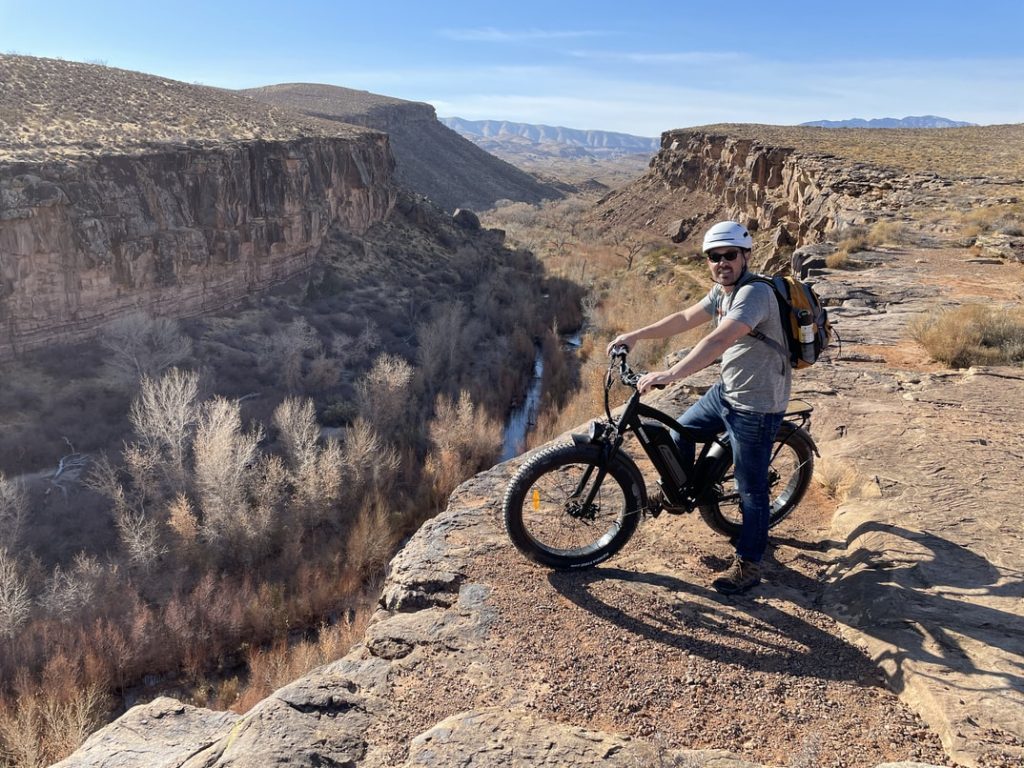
point(225, 527)
point(972, 335)
point(857, 238)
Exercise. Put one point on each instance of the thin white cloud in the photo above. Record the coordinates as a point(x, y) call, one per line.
point(495, 35)
point(671, 57)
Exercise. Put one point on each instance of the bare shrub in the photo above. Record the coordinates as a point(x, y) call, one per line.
point(835, 477)
point(141, 345)
point(465, 441)
point(163, 416)
point(439, 343)
point(367, 461)
point(276, 666)
point(887, 233)
point(972, 335)
point(73, 591)
point(13, 511)
point(49, 720)
point(15, 603)
point(384, 394)
point(224, 460)
point(372, 537)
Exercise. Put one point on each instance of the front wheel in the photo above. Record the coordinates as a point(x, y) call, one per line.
point(789, 476)
point(547, 514)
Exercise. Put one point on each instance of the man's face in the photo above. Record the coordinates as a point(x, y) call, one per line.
point(726, 264)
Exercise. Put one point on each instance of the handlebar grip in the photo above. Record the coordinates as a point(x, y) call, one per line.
point(620, 349)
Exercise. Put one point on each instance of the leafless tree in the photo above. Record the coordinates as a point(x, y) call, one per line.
point(439, 343)
point(630, 249)
point(384, 394)
point(286, 351)
point(13, 511)
point(224, 462)
point(164, 414)
point(142, 345)
point(15, 603)
point(367, 461)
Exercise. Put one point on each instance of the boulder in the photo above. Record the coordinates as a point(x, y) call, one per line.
point(1001, 245)
point(466, 219)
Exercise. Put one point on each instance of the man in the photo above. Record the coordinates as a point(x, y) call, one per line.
point(749, 401)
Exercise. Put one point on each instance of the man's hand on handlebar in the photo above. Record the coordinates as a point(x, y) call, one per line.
point(654, 380)
point(622, 340)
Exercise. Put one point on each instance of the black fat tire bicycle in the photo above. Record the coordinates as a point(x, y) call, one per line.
point(573, 505)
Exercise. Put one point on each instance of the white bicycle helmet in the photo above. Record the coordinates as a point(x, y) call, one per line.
point(726, 233)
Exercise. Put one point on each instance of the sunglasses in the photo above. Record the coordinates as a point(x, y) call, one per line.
point(714, 258)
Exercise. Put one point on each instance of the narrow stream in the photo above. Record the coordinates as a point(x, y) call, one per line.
point(523, 417)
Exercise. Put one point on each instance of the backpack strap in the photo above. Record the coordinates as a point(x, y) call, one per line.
point(762, 337)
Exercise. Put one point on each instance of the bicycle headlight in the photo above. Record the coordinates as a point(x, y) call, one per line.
point(597, 431)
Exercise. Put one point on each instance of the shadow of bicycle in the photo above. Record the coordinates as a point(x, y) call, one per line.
point(930, 598)
point(756, 634)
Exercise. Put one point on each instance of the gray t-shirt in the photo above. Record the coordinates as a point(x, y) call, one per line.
point(756, 375)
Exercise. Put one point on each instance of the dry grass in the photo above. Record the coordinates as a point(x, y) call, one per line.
point(835, 477)
point(972, 335)
point(854, 239)
point(1005, 218)
point(993, 150)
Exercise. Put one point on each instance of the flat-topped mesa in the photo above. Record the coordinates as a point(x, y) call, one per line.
point(431, 159)
point(104, 219)
point(811, 181)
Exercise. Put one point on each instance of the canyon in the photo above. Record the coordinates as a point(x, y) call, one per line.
point(889, 632)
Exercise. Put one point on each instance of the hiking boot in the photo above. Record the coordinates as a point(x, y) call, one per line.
point(741, 576)
point(660, 503)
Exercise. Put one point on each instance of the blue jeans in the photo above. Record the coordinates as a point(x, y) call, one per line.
point(751, 435)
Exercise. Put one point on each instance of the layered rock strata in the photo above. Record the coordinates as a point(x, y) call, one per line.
point(178, 231)
point(770, 186)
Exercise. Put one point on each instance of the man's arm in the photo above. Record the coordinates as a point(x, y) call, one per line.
point(706, 351)
point(670, 325)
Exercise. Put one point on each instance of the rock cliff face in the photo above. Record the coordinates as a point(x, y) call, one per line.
point(770, 186)
point(177, 231)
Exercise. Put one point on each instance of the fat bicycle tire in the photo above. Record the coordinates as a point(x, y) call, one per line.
point(789, 476)
point(549, 527)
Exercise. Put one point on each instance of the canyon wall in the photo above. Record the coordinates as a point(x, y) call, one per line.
point(178, 231)
point(767, 187)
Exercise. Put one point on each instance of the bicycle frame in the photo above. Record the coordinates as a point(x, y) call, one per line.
point(680, 490)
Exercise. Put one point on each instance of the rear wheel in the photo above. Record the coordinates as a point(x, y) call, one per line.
point(789, 476)
point(548, 518)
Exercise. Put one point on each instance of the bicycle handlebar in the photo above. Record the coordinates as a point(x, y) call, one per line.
point(627, 375)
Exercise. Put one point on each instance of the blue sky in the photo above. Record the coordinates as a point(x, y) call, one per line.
point(640, 67)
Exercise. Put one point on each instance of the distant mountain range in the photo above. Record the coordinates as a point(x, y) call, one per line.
point(924, 121)
point(571, 140)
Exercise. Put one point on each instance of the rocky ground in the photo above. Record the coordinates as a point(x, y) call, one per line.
point(889, 629)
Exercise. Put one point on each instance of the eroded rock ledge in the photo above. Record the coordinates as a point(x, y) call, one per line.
point(177, 231)
point(771, 186)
